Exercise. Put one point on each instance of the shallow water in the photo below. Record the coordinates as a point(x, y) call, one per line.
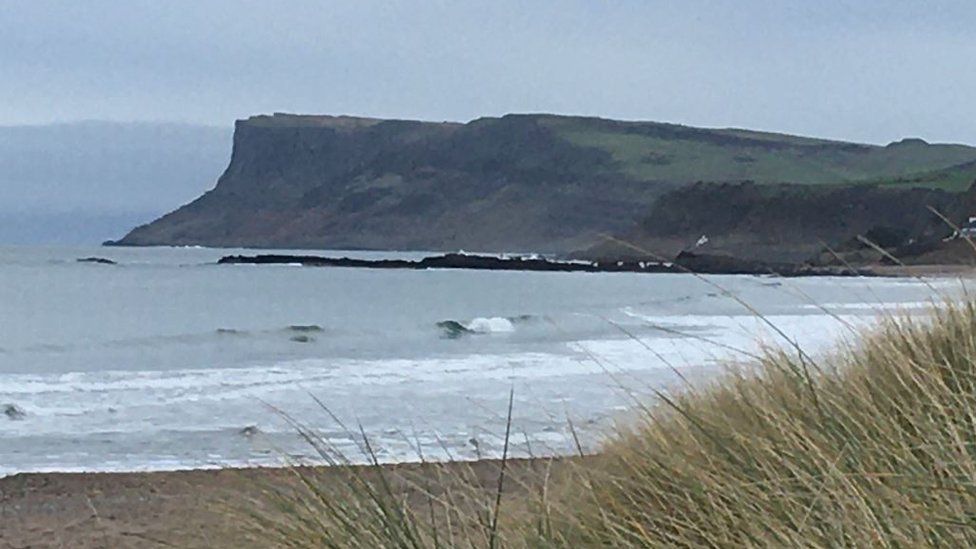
point(163, 360)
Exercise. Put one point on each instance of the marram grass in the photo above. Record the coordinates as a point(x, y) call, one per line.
point(872, 446)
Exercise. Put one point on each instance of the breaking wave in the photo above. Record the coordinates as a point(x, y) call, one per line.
point(479, 325)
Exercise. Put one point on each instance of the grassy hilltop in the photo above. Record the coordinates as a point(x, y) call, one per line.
point(954, 178)
point(665, 152)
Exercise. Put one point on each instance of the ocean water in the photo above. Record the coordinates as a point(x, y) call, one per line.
point(169, 361)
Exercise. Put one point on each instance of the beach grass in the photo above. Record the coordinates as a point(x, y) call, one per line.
point(871, 445)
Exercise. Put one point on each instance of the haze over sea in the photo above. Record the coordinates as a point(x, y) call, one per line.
point(169, 361)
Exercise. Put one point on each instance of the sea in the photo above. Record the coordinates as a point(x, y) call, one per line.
point(166, 360)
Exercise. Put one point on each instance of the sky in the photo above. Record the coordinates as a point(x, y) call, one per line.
point(861, 70)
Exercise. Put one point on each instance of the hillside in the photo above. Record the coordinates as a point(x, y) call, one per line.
point(652, 152)
point(792, 223)
point(954, 178)
point(517, 183)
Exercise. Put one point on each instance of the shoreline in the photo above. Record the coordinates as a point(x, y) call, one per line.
point(927, 271)
point(684, 263)
point(139, 508)
point(241, 466)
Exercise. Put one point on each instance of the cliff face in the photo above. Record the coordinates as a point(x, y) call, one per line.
point(517, 183)
point(495, 185)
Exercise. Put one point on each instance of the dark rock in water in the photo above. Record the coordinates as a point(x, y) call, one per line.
point(12, 411)
point(249, 431)
point(453, 329)
point(302, 332)
point(685, 262)
point(305, 328)
point(100, 260)
point(458, 261)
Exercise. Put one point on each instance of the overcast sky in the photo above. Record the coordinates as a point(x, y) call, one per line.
point(863, 70)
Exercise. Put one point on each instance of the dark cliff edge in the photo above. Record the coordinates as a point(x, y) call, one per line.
point(558, 184)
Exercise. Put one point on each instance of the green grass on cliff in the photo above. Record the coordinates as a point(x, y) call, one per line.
point(656, 152)
point(874, 446)
point(956, 178)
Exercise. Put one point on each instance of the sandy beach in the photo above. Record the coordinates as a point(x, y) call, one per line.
point(201, 508)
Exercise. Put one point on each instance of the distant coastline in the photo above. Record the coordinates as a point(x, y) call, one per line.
point(563, 184)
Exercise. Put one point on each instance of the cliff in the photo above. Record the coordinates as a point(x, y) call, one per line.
point(518, 183)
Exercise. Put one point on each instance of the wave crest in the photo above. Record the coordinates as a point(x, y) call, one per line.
point(479, 325)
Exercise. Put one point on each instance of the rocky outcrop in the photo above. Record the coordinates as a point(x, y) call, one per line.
point(320, 182)
point(457, 261)
point(684, 263)
point(536, 183)
point(13, 412)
